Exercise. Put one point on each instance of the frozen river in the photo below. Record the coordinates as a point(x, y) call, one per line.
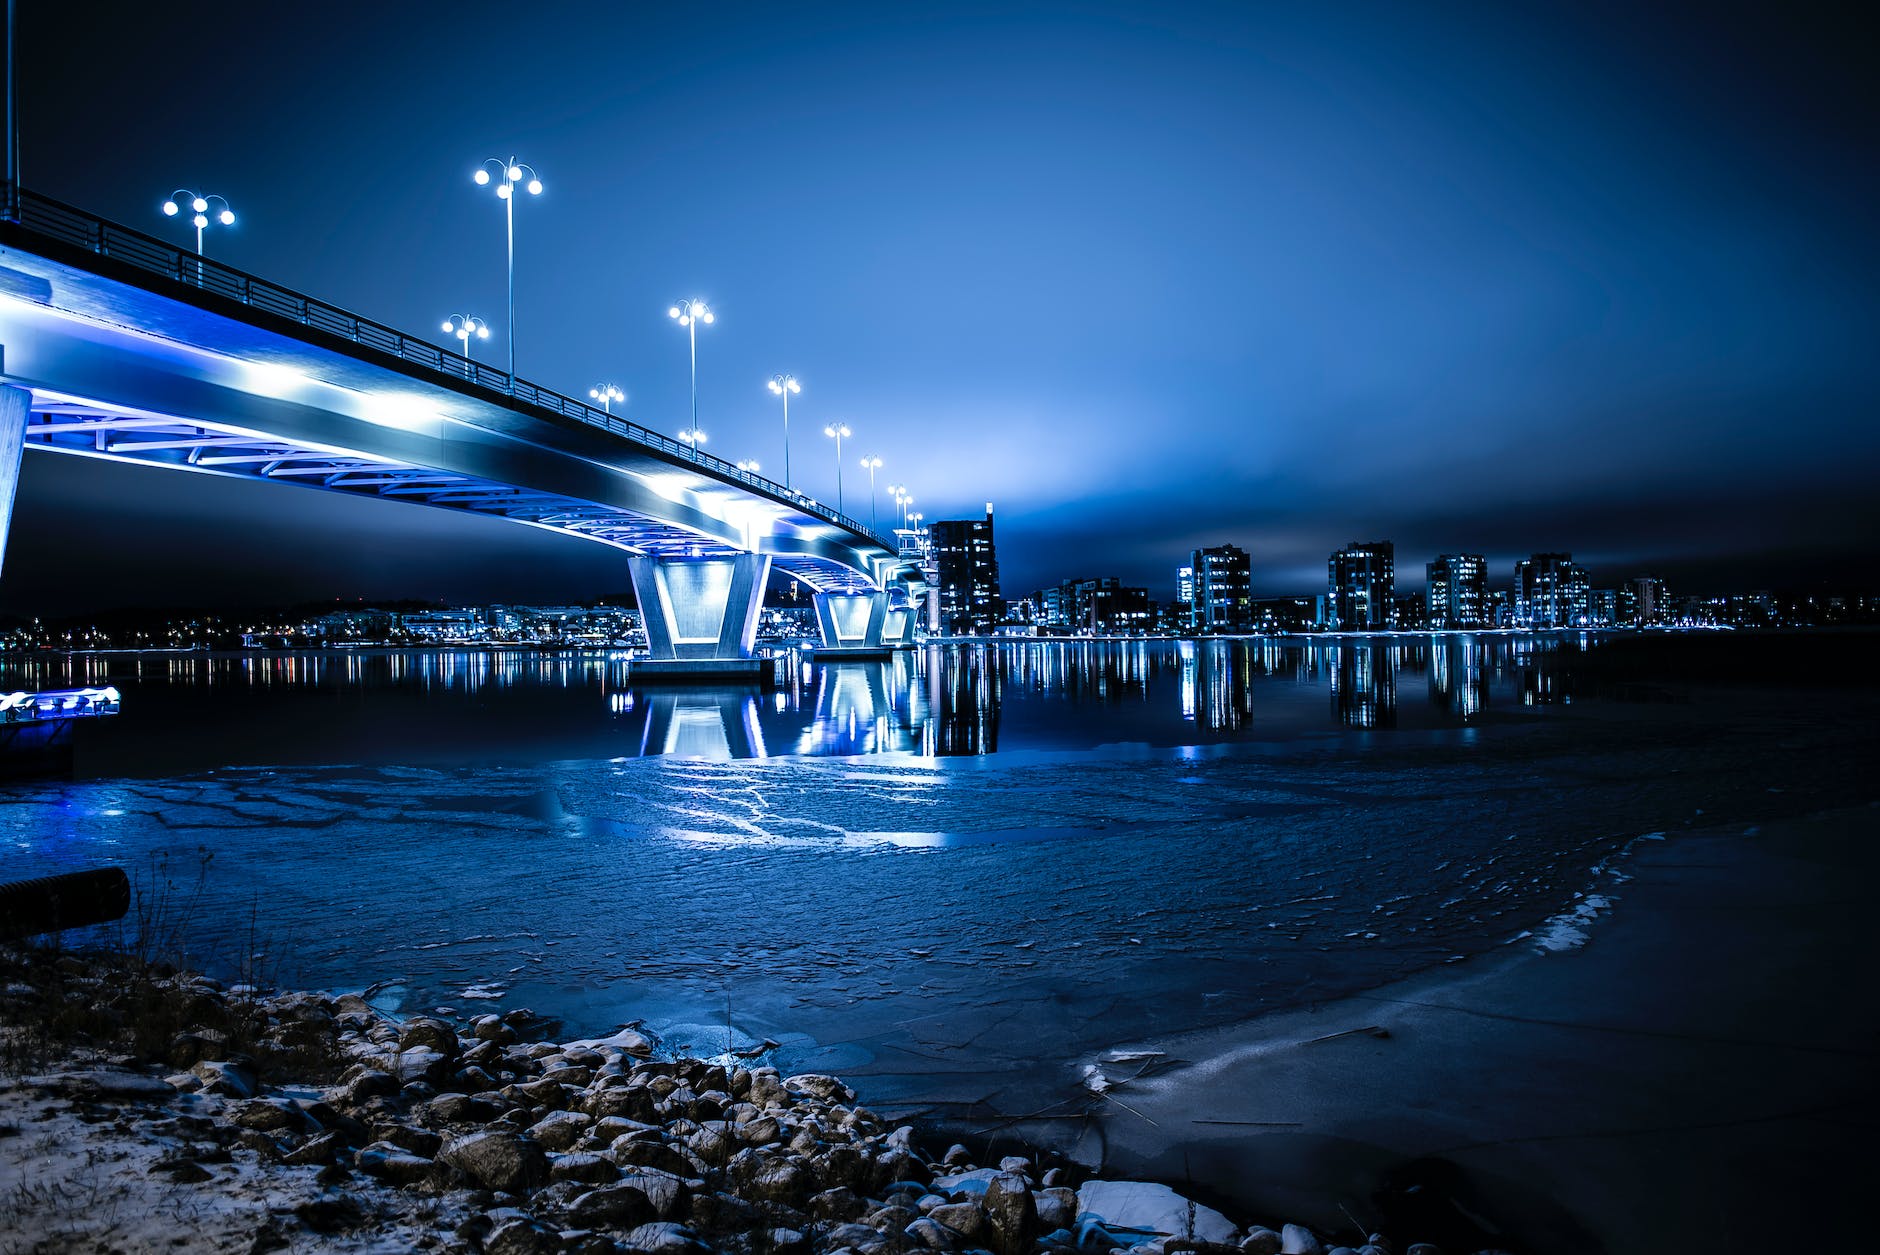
point(951, 874)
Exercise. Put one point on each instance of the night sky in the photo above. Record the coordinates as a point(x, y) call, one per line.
point(1496, 278)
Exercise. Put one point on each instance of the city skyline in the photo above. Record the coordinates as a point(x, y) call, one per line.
point(1289, 336)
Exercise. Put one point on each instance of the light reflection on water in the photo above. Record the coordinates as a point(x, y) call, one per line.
point(199, 710)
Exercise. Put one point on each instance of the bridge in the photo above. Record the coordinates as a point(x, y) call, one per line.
point(116, 345)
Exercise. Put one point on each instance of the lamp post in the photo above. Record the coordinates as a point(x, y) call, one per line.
point(783, 386)
point(871, 464)
point(838, 431)
point(690, 314)
point(607, 394)
point(510, 176)
point(693, 436)
point(465, 328)
point(199, 211)
point(748, 465)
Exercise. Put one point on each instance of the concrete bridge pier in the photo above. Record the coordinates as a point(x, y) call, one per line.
point(858, 625)
point(14, 404)
point(700, 616)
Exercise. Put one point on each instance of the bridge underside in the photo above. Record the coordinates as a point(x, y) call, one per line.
point(64, 424)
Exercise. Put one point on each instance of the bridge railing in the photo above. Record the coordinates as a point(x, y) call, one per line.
point(56, 220)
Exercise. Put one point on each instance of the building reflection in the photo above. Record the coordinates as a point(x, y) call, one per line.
point(1363, 677)
point(964, 685)
point(1217, 683)
point(1459, 678)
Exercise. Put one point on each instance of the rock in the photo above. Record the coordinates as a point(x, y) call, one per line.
point(1260, 1241)
point(840, 1204)
point(560, 1130)
point(931, 1234)
point(1380, 1243)
point(521, 1236)
point(1423, 1248)
point(1296, 1239)
point(182, 1171)
point(394, 1164)
point(761, 1131)
point(269, 1115)
point(724, 1213)
point(321, 1149)
point(419, 1064)
point(408, 1137)
point(663, 1237)
point(856, 1236)
point(330, 1213)
point(460, 1109)
point(894, 1166)
point(497, 1161)
point(820, 1085)
point(369, 1084)
point(1057, 1209)
point(971, 1182)
point(491, 1028)
point(968, 1220)
point(261, 1143)
point(1015, 1163)
point(633, 1151)
point(428, 1034)
point(957, 1156)
point(1155, 1208)
point(189, 1049)
point(785, 1242)
point(1012, 1215)
point(621, 1206)
point(581, 1166)
point(769, 1180)
point(230, 1079)
point(666, 1192)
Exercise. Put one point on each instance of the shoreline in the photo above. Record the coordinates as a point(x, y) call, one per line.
point(1696, 1074)
point(142, 1108)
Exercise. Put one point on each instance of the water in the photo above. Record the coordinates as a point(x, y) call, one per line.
point(948, 874)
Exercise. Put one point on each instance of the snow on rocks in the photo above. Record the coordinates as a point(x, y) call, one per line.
point(1145, 1207)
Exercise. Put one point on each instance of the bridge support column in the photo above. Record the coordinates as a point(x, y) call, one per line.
point(858, 625)
point(700, 616)
point(14, 404)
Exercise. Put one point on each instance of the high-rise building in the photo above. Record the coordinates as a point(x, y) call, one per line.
point(1362, 587)
point(1185, 585)
point(1551, 590)
point(1649, 603)
point(1222, 598)
point(966, 575)
point(1458, 591)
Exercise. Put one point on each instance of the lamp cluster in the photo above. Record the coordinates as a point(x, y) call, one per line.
point(512, 179)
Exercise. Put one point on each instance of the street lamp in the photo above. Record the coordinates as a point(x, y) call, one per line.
point(871, 464)
point(199, 211)
point(693, 436)
point(509, 177)
point(749, 466)
point(466, 328)
point(607, 394)
point(783, 386)
point(838, 431)
point(690, 314)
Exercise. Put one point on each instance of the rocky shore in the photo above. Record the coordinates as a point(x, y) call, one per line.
point(305, 1122)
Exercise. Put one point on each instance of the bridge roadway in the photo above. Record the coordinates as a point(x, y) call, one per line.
point(116, 345)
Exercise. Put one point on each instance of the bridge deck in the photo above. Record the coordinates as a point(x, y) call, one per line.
point(141, 352)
